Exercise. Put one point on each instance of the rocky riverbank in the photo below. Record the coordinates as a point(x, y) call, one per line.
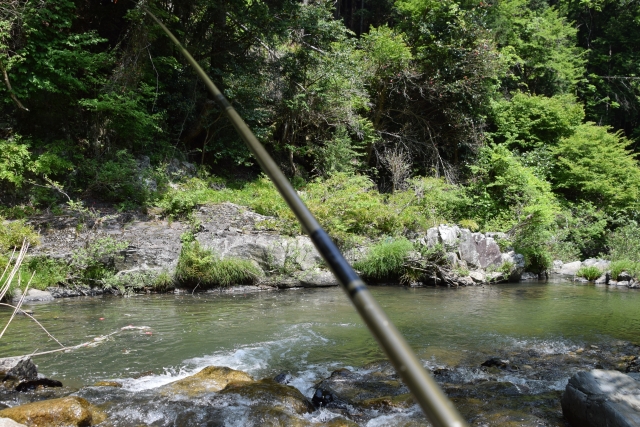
point(154, 245)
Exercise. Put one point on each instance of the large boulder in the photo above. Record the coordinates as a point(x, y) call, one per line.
point(271, 393)
point(22, 369)
point(570, 268)
point(210, 379)
point(478, 250)
point(67, 411)
point(8, 422)
point(601, 398)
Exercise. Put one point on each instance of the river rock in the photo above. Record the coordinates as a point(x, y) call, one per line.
point(33, 295)
point(370, 390)
point(602, 264)
point(210, 379)
point(22, 369)
point(66, 411)
point(8, 422)
point(271, 393)
point(571, 268)
point(602, 398)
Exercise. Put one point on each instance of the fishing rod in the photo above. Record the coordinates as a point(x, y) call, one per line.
point(436, 406)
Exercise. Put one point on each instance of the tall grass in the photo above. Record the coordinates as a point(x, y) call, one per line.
point(198, 266)
point(617, 267)
point(590, 273)
point(385, 260)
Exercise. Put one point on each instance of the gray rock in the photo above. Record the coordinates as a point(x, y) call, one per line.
point(74, 291)
point(449, 236)
point(529, 276)
point(22, 369)
point(625, 276)
point(602, 399)
point(602, 264)
point(571, 268)
point(432, 237)
point(478, 276)
point(34, 295)
point(601, 280)
point(180, 169)
point(557, 264)
point(8, 422)
point(623, 283)
point(318, 279)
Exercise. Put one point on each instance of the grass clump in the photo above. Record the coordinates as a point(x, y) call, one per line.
point(590, 273)
point(385, 260)
point(617, 267)
point(200, 266)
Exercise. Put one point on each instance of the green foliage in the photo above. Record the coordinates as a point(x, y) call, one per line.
point(96, 261)
point(590, 273)
point(13, 233)
point(469, 223)
point(596, 165)
point(385, 260)
point(138, 281)
point(527, 122)
point(198, 266)
point(117, 179)
point(539, 45)
point(624, 243)
point(617, 267)
point(48, 271)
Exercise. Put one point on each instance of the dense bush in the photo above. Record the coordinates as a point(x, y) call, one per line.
point(590, 273)
point(624, 243)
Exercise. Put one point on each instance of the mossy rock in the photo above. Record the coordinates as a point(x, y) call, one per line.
point(401, 401)
point(70, 411)
point(271, 393)
point(107, 384)
point(208, 380)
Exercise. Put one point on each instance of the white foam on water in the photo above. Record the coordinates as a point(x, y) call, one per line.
point(256, 359)
point(395, 419)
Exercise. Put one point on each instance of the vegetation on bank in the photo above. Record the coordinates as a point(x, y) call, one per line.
point(516, 116)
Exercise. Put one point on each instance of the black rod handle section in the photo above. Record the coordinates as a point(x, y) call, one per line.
point(436, 406)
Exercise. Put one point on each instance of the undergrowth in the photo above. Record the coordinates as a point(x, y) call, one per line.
point(617, 267)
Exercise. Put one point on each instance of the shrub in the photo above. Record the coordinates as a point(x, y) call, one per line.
point(199, 266)
point(49, 272)
point(627, 265)
point(624, 243)
point(596, 165)
point(96, 261)
point(133, 282)
point(385, 260)
point(13, 233)
point(590, 273)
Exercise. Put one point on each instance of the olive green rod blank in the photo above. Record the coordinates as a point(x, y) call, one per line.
point(437, 407)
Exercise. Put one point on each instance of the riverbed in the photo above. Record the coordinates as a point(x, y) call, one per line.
point(545, 331)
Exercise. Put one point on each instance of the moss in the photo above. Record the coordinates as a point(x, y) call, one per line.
point(198, 266)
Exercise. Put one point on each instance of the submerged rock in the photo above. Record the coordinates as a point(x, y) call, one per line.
point(272, 394)
point(366, 391)
point(210, 379)
point(602, 399)
point(67, 411)
point(36, 384)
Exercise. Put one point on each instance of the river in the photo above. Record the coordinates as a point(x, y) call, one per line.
point(547, 331)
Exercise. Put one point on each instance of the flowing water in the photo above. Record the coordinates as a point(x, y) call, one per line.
point(548, 331)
